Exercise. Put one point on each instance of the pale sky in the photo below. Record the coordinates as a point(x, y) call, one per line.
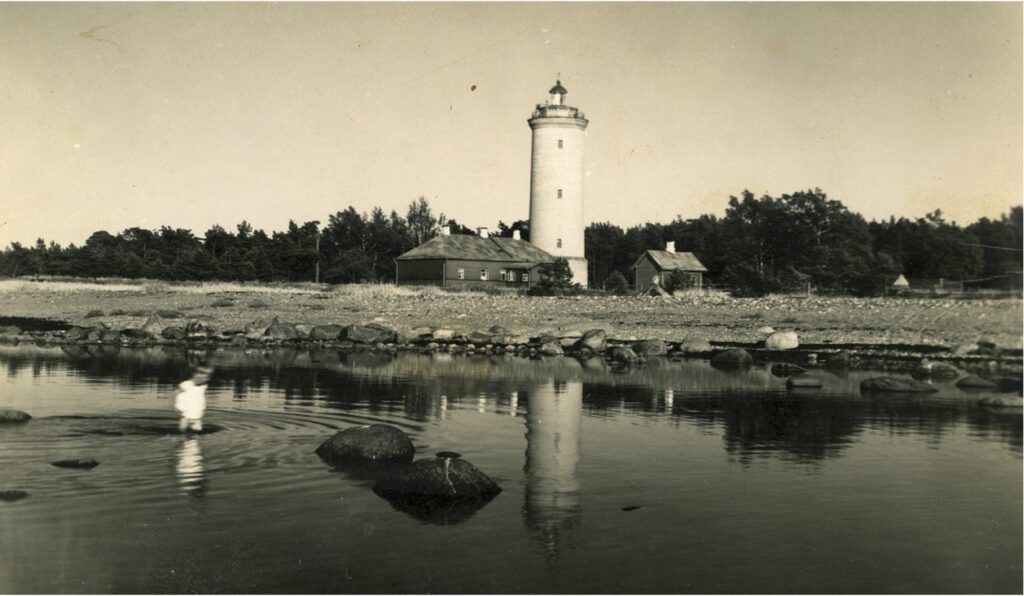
point(120, 115)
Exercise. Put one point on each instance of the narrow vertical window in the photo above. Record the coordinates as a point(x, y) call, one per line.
point(559, 243)
point(526, 277)
point(483, 275)
point(559, 193)
point(559, 143)
point(502, 274)
point(461, 273)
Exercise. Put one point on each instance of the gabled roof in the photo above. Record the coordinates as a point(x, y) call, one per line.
point(476, 248)
point(672, 261)
point(901, 282)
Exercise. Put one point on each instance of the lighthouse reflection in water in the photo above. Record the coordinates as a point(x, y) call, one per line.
point(552, 506)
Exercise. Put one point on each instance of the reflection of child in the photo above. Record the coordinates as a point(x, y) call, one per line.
point(191, 399)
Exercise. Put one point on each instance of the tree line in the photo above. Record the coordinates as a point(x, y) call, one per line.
point(760, 245)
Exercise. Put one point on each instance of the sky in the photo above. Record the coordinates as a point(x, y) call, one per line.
point(119, 115)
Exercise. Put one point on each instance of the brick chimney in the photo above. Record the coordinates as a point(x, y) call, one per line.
point(670, 246)
point(483, 232)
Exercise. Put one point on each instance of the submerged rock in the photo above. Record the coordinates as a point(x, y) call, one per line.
point(1002, 402)
point(84, 464)
point(11, 416)
point(650, 347)
point(895, 385)
point(975, 382)
point(9, 496)
point(785, 369)
point(371, 442)
point(733, 358)
point(935, 370)
point(803, 381)
point(623, 355)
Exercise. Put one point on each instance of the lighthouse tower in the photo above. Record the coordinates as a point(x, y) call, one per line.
point(556, 181)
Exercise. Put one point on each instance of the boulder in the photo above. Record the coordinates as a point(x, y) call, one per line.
point(281, 331)
point(110, 336)
point(785, 369)
point(422, 331)
point(988, 348)
point(173, 332)
point(154, 325)
point(975, 382)
point(442, 334)
point(367, 443)
point(695, 346)
point(10, 416)
point(479, 338)
point(623, 355)
point(199, 330)
point(735, 357)
point(650, 347)
point(803, 381)
point(498, 330)
point(325, 332)
point(782, 340)
point(94, 313)
point(895, 385)
point(83, 464)
point(935, 370)
point(766, 330)
point(550, 348)
point(256, 329)
point(595, 340)
point(516, 340)
point(371, 333)
point(136, 334)
point(442, 477)
point(964, 349)
point(76, 334)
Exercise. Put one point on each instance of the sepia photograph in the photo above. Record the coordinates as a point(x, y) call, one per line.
point(511, 297)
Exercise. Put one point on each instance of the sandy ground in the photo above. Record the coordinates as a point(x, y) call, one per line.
point(816, 319)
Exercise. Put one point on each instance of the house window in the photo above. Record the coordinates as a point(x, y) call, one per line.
point(559, 193)
point(559, 143)
point(461, 273)
point(503, 274)
point(559, 243)
point(526, 277)
point(483, 275)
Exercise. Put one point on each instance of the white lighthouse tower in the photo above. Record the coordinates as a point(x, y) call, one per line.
point(556, 181)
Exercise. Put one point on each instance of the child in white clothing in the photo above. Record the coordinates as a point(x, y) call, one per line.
point(191, 400)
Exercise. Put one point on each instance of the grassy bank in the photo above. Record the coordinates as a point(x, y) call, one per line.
point(125, 303)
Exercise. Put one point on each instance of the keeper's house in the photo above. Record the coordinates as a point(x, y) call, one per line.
point(468, 261)
point(654, 267)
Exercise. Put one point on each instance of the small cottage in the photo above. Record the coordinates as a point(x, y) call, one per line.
point(472, 261)
point(655, 267)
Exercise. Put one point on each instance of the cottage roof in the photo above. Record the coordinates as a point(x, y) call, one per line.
point(477, 248)
point(672, 261)
point(901, 282)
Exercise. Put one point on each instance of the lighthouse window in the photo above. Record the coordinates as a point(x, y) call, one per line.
point(559, 143)
point(559, 243)
point(559, 193)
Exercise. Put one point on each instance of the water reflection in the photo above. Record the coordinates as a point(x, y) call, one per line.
point(552, 507)
point(189, 468)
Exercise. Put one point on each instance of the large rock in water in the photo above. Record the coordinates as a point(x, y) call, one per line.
point(623, 355)
point(444, 477)
point(650, 347)
point(895, 385)
point(975, 382)
point(935, 370)
point(782, 340)
point(154, 325)
point(367, 443)
point(733, 358)
point(281, 331)
point(9, 416)
point(595, 340)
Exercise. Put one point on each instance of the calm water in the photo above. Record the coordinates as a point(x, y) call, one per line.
point(740, 487)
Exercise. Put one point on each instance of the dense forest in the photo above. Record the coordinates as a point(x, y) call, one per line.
point(760, 245)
